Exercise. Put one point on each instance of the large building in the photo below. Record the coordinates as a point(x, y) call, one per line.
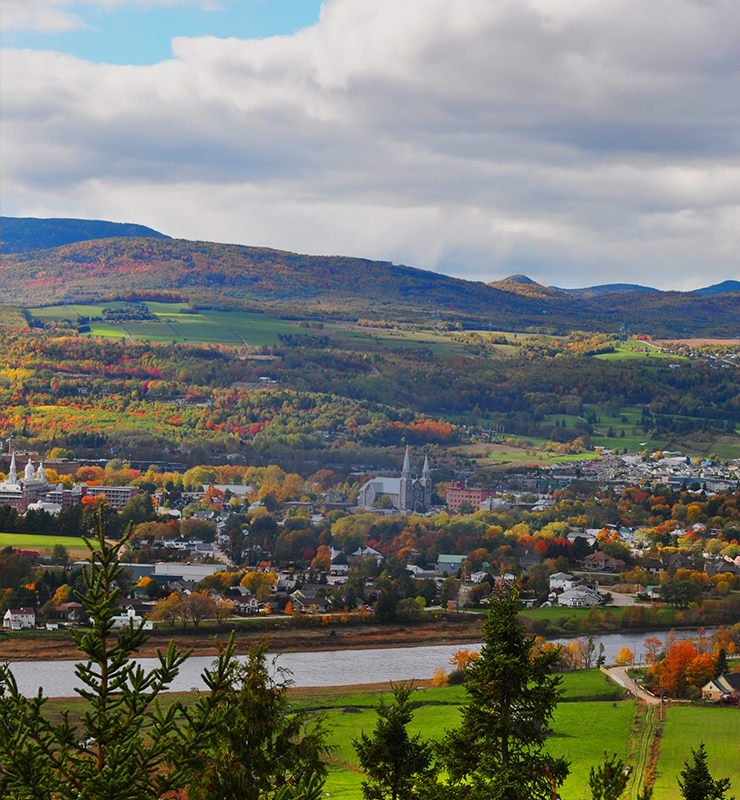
point(406, 494)
point(458, 493)
point(21, 492)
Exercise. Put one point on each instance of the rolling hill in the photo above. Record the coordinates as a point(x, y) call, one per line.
point(240, 276)
point(24, 234)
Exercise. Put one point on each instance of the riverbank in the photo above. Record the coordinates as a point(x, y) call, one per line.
point(206, 640)
point(350, 632)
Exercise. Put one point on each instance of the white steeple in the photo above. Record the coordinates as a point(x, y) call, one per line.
point(13, 474)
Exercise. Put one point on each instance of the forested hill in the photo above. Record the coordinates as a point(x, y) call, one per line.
point(228, 275)
point(24, 234)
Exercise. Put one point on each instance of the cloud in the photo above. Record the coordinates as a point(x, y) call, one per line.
point(580, 141)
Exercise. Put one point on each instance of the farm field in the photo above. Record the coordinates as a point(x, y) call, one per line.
point(629, 351)
point(41, 543)
point(685, 727)
point(582, 732)
point(176, 323)
point(490, 454)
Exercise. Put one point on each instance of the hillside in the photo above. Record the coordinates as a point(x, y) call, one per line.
point(229, 275)
point(719, 288)
point(609, 288)
point(24, 234)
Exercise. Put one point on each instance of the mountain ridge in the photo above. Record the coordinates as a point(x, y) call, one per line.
point(239, 276)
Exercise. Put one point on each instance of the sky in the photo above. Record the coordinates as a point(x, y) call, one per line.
point(579, 142)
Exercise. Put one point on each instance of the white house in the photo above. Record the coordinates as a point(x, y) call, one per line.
point(130, 617)
point(16, 619)
point(561, 581)
point(579, 598)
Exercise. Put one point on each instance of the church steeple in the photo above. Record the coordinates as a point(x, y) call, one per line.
point(13, 474)
point(406, 471)
point(425, 473)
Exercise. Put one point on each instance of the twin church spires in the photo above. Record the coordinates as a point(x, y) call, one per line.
point(415, 494)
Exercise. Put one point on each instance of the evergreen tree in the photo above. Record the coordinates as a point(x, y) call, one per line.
point(721, 666)
point(608, 781)
point(498, 750)
point(259, 748)
point(393, 760)
point(697, 784)
point(126, 747)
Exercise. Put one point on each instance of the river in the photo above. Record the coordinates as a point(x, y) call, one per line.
point(322, 668)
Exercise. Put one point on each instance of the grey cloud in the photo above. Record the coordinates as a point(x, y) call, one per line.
point(564, 138)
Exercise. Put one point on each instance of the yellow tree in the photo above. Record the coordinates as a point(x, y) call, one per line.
point(624, 657)
point(168, 610)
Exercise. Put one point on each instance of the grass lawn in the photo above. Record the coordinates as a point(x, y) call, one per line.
point(685, 727)
point(27, 541)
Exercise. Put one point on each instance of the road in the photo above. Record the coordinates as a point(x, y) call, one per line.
point(620, 676)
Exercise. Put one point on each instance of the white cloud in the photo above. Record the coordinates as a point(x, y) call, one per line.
point(580, 141)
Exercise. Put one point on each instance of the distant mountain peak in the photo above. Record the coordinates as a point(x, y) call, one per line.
point(521, 284)
point(518, 279)
point(719, 288)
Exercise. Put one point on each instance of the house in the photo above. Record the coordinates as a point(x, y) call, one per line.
point(529, 560)
point(603, 562)
point(449, 564)
point(130, 618)
point(561, 581)
point(70, 611)
point(579, 598)
point(18, 619)
point(653, 592)
point(654, 567)
point(725, 687)
point(245, 604)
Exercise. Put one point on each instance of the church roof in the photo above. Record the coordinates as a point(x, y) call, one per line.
point(385, 485)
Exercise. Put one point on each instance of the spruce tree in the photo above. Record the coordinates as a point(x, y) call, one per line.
point(499, 749)
point(697, 784)
point(126, 746)
point(393, 760)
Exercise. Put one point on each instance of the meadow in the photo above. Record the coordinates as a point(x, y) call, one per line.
point(43, 544)
point(685, 727)
point(629, 351)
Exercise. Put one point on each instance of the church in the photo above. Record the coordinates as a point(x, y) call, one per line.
point(21, 492)
point(407, 494)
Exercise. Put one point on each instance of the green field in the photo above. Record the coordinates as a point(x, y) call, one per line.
point(685, 727)
point(27, 541)
point(582, 730)
point(627, 351)
point(173, 325)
